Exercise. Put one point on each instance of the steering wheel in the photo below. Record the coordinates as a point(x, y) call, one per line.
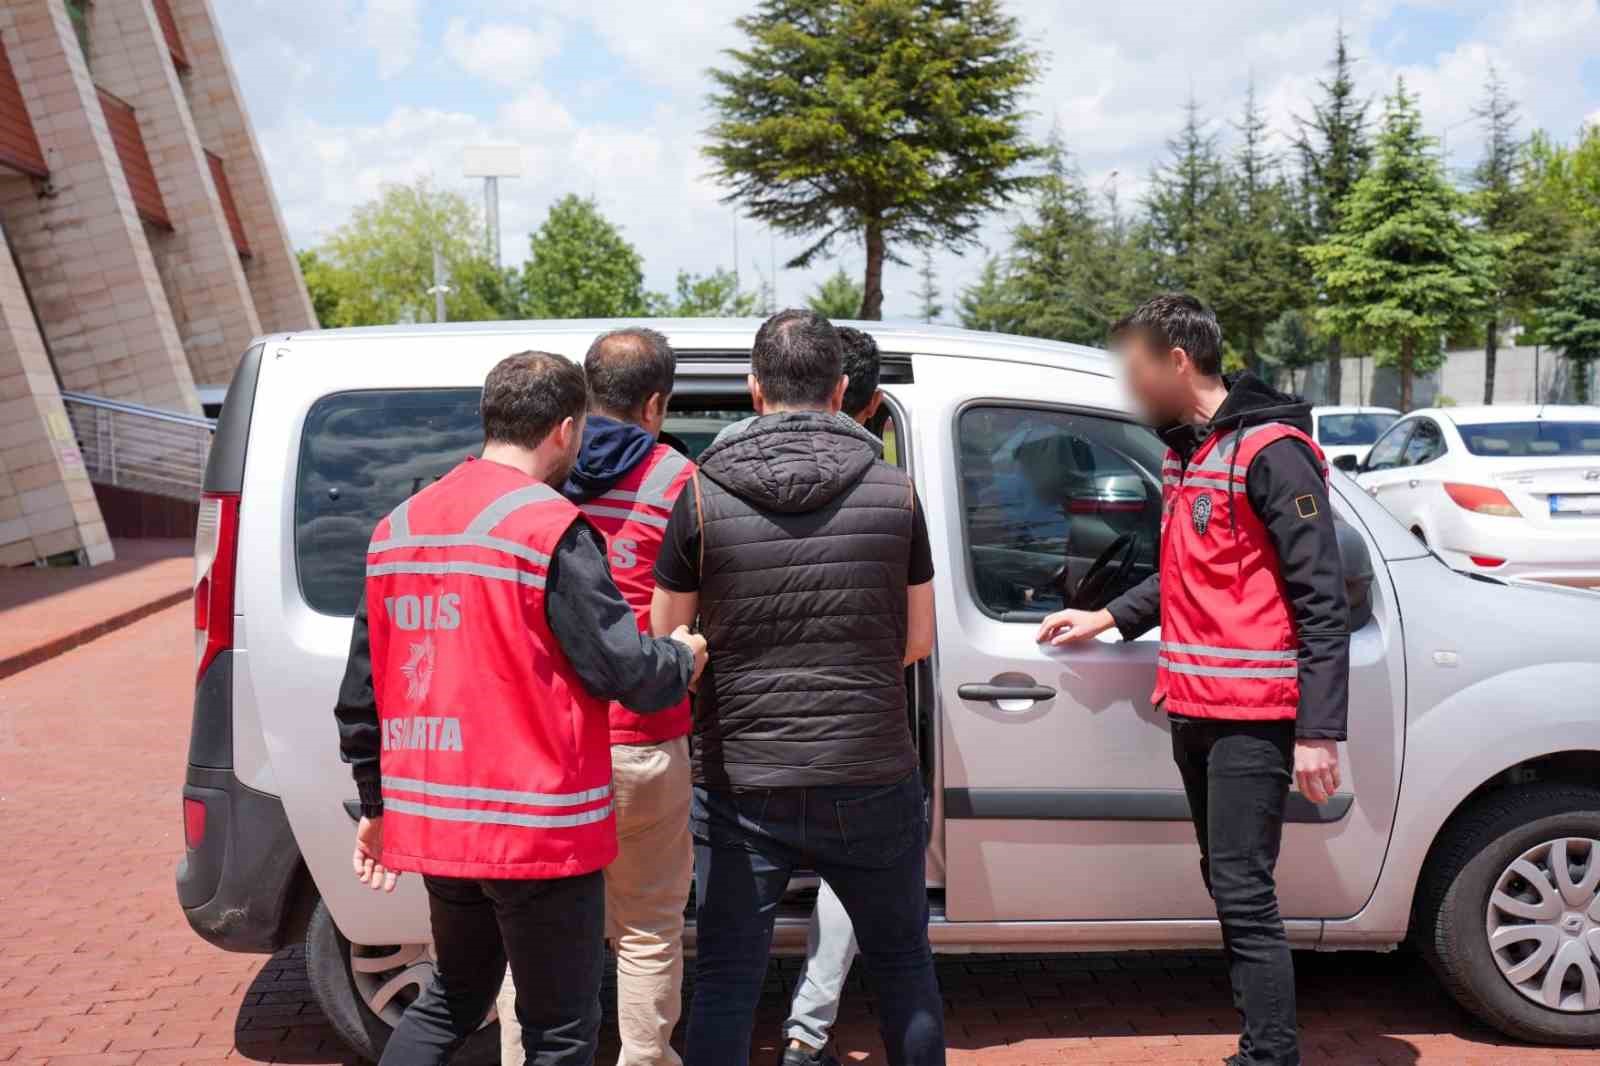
point(1109, 571)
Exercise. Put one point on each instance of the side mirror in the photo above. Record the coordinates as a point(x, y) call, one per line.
point(1356, 562)
point(1347, 462)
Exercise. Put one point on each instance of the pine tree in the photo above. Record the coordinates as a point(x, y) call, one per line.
point(989, 303)
point(1181, 206)
point(1403, 267)
point(839, 296)
point(1061, 274)
point(1571, 318)
point(929, 307)
point(1499, 204)
point(891, 121)
point(1334, 152)
point(1253, 272)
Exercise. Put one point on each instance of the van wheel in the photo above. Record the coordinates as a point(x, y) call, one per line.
point(363, 990)
point(1509, 914)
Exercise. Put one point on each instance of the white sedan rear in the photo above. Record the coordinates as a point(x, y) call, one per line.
point(1508, 491)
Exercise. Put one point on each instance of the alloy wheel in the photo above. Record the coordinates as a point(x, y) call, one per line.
point(1543, 924)
point(390, 977)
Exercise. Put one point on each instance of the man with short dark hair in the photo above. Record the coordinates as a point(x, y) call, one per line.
point(1254, 667)
point(625, 482)
point(806, 558)
point(473, 715)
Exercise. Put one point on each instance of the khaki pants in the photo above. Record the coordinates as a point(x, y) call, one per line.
point(646, 890)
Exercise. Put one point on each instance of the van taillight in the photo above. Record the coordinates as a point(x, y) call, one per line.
point(216, 548)
point(194, 823)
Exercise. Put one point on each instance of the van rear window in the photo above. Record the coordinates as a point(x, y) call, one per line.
point(360, 455)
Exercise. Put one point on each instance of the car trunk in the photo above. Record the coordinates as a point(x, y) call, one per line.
point(1559, 492)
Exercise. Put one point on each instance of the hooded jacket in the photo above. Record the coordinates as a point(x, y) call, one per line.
point(805, 539)
point(1302, 536)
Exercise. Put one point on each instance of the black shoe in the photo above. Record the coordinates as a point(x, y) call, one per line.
point(793, 1056)
point(1234, 1060)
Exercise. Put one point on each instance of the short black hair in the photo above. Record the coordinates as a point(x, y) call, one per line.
point(626, 367)
point(797, 358)
point(861, 362)
point(528, 394)
point(1177, 320)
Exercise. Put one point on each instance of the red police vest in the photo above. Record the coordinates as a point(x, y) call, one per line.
point(633, 516)
point(495, 762)
point(1228, 642)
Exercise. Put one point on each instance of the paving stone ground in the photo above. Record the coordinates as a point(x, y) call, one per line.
point(98, 966)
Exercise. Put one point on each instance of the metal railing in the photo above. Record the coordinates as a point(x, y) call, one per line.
point(141, 448)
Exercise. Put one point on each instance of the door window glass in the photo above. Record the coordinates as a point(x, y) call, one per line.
point(1385, 454)
point(1426, 444)
point(360, 455)
point(1061, 509)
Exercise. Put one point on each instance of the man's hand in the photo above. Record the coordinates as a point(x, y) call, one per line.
point(1070, 626)
point(1316, 769)
point(697, 645)
point(370, 870)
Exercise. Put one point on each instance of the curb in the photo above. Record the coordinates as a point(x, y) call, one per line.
point(67, 641)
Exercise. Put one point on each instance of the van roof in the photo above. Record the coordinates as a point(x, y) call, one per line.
point(700, 334)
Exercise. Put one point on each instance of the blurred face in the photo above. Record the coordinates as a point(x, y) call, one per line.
point(1157, 379)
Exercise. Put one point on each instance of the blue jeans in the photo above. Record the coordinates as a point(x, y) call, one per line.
point(869, 844)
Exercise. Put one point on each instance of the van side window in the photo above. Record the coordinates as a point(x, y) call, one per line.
point(1048, 493)
point(361, 453)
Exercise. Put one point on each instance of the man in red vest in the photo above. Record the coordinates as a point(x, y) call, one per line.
point(474, 714)
point(1254, 667)
point(625, 482)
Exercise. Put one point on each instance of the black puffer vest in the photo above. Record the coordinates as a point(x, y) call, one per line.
point(806, 549)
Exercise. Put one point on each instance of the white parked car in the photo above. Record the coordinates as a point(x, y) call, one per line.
point(1508, 491)
point(1345, 430)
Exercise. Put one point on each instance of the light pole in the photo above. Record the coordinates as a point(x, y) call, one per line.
point(491, 163)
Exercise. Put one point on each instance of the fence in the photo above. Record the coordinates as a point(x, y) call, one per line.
point(144, 449)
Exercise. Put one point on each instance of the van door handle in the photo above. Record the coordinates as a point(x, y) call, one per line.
point(996, 693)
point(1413, 483)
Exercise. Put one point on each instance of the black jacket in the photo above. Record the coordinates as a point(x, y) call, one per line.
point(807, 545)
point(1307, 549)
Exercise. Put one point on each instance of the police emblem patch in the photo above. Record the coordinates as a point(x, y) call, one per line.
point(418, 670)
point(1200, 512)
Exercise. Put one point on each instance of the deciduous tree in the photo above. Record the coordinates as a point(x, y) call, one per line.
point(713, 295)
point(581, 266)
point(1571, 318)
point(897, 122)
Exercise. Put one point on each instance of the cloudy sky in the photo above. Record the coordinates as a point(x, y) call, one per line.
point(606, 98)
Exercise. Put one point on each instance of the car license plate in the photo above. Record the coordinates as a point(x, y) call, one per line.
point(1583, 503)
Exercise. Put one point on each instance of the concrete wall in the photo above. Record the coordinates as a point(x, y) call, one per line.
point(1524, 373)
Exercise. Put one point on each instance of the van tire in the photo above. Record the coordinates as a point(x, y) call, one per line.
point(1462, 872)
point(333, 985)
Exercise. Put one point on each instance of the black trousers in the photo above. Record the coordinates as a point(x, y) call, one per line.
point(553, 934)
point(1237, 777)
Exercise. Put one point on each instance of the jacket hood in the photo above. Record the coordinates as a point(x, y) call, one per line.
point(610, 449)
point(793, 462)
point(1250, 402)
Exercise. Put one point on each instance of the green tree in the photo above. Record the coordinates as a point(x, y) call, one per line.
point(1566, 179)
point(1292, 342)
point(1571, 318)
point(1062, 265)
point(1181, 207)
point(990, 303)
point(1403, 267)
point(928, 306)
point(898, 121)
point(378, 267)
point(713, 295)
point(1334, 152)
point(581, 266)
point(1253, 271)
point(839, 296)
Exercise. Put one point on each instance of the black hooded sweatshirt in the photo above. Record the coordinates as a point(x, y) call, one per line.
point(1309, 567)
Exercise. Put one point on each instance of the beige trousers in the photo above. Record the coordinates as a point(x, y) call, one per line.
point(646, 890)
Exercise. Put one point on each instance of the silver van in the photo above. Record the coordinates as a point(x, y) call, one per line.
point(1470, 820)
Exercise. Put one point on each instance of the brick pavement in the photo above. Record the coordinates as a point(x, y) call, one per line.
point(98, 966)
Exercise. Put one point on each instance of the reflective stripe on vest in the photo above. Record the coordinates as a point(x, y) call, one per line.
point(493, 817)
point(650, 496)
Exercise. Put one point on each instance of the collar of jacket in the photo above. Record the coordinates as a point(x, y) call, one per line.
point(1250, 402)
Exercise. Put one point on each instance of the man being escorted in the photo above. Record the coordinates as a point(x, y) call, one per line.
point(474, 716)
point(1254, 667)
point(806, 558)
point(625, 482)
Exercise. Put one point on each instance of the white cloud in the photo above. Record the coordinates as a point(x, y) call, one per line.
point(502, 53)
point(394, 30)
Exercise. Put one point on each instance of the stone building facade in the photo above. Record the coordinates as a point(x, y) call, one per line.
point(141, 246)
